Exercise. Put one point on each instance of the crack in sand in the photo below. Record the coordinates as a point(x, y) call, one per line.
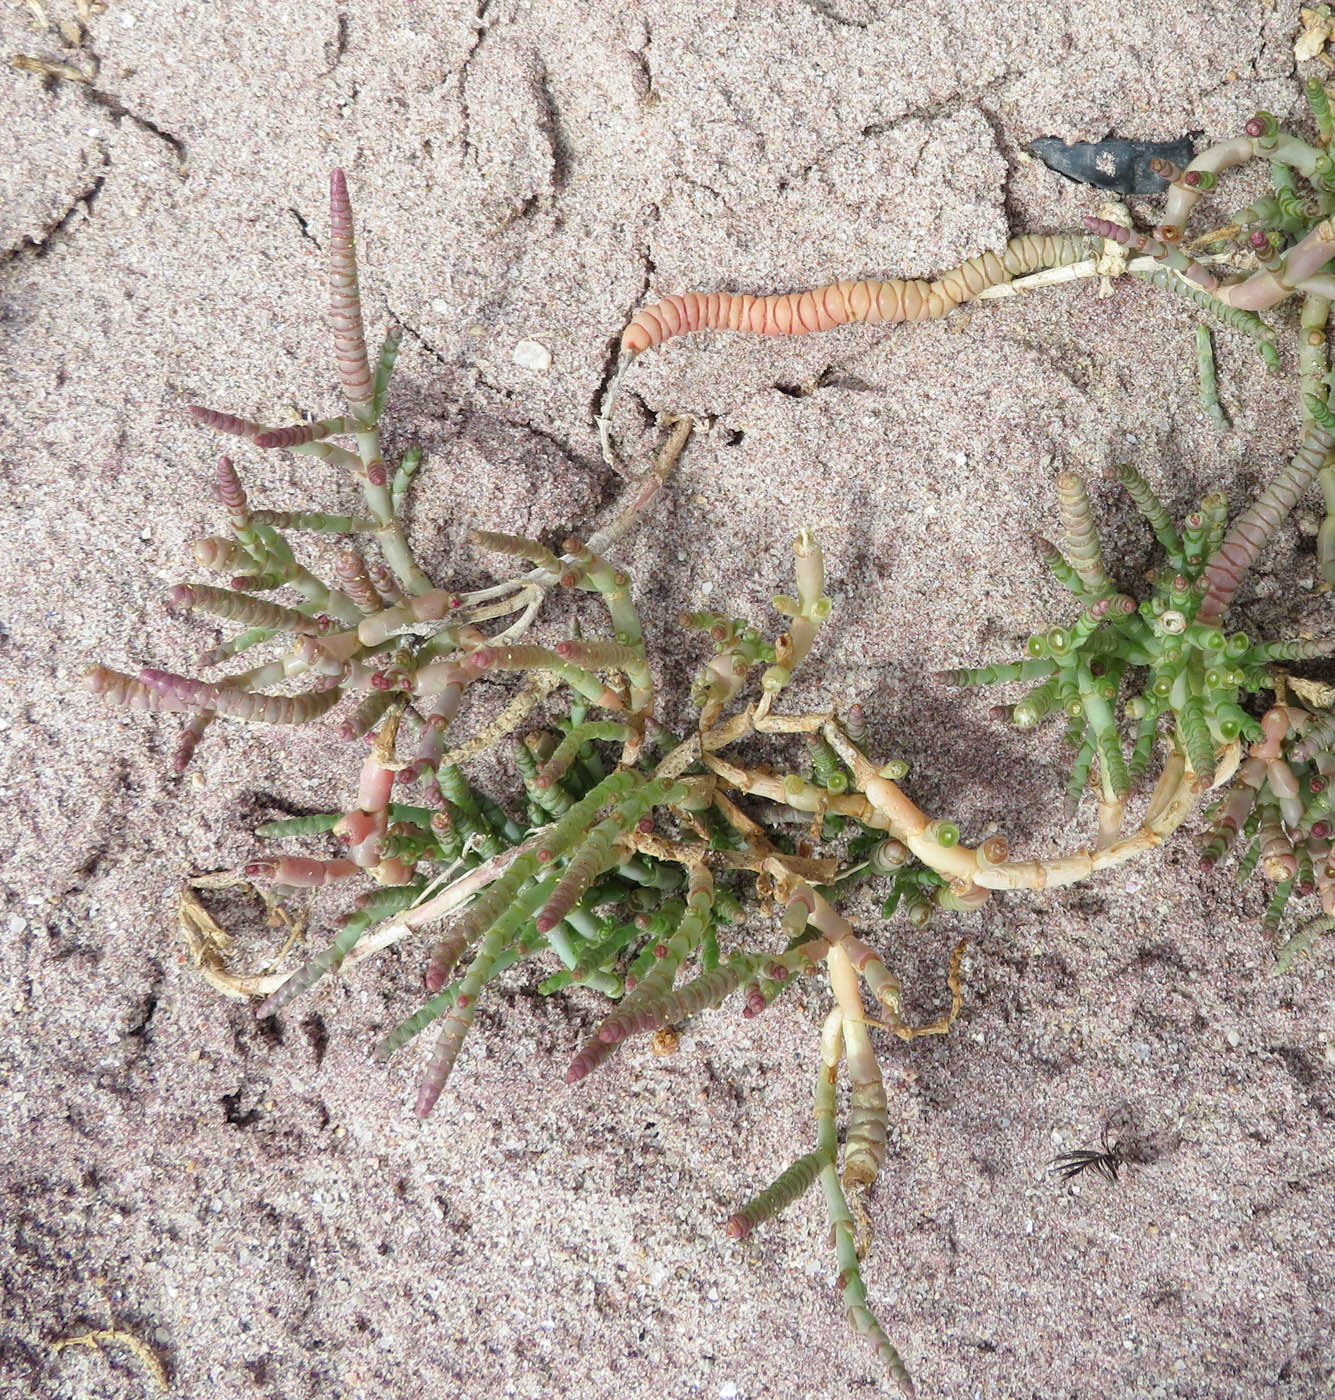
point(49, 236)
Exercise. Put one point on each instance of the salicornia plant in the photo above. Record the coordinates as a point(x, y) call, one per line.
point(662, 864)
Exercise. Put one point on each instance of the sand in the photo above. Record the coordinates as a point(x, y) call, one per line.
point(257, 1203)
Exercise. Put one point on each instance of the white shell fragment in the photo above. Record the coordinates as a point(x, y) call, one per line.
point(528, 354)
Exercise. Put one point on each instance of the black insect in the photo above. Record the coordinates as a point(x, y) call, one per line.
point(1105, 1162)
point(1121, 166)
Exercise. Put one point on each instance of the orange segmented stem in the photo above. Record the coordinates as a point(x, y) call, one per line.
point(839, 303)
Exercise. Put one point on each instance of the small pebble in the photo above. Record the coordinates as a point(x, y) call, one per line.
point(528, 354)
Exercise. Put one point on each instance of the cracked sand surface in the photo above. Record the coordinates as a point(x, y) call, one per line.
point(259, 1203)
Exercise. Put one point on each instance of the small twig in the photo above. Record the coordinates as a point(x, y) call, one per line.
point(99, 1339)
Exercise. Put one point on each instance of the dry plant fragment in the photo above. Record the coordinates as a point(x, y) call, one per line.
point(100, 1339)
point(208, 943)
point(1318, 30)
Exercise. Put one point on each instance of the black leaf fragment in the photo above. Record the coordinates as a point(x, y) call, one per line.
point(1120, 166)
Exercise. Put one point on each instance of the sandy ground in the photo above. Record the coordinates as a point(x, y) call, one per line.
point(260, 1205)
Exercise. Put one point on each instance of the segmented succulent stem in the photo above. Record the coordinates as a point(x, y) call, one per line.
point(245, 705)
point(320, 521)
point(299, 434)
point(854, 1292)
point(133, 694)
point(298, 826)
point(460, 1018)
point(1314, 90)
point(1243, 543)
point(1318, 734)
point(1196, 736)
point(1298, 944)
point(790, 1186)
point(1171, 257)
point(403, 477)
point(564, 754)
point(224, 422)
point(1082, 539)
point(701, 993)
point(638, 1010)
point(520, 546)
point(189, 739)
point(1061, 570)
point(381, 905)
point(806, 613)
point(384, 372)
point(1235, 318)
point(1209, 384)
point(240, 607)
point(345, 305)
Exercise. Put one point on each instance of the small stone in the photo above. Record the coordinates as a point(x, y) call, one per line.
point(528, 354)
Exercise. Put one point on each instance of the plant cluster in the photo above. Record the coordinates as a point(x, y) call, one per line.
point(644, 860)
